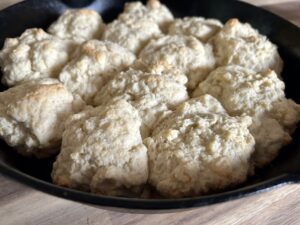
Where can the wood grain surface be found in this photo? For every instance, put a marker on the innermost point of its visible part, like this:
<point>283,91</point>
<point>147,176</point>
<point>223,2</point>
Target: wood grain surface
<point>21,205</point>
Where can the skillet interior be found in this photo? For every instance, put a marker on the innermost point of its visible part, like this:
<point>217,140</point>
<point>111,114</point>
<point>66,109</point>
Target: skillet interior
<point>285,168</point>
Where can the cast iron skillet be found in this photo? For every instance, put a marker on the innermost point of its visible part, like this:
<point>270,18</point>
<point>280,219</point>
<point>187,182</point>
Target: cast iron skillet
<point>285,169</point>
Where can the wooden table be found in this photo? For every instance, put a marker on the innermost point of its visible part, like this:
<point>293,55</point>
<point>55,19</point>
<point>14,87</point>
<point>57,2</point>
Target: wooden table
<point>21,205</point>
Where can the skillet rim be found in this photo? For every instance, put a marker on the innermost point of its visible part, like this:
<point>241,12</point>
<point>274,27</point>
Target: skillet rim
<point>146,204</point>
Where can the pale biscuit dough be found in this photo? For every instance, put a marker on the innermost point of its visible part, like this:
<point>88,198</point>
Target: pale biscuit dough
<point>78,25</point>
<point>94,63</point>
<point>153,11</point>
<point>131,34</point>
<point>199,149</point>
<point>102,151</point>
<point>199,27</point>
<point>32,116</point>
<point>33,55</point>
<point>153,95</point>
<point>261,96</point>
<point>240,44</point>
<point>183,53</point>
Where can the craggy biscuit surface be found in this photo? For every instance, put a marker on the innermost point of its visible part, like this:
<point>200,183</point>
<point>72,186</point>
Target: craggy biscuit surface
<point>199,27</point>
<point>198,149</point>
<point>240,44</point>
<point>33,55</point>
<point>78,25</point>
<point>261,96</point>
<point>182,53</point>
<point>131,34</point>
<point>94,63</point>
<point>102,151</point>
<point>153,11</point>
<point>152,95</point>
<point>32,116</point>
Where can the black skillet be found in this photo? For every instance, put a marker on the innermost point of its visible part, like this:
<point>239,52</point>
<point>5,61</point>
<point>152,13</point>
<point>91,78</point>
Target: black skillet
<point>283,170</point>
